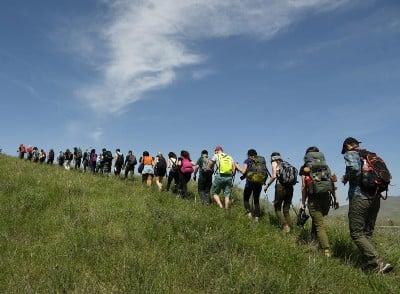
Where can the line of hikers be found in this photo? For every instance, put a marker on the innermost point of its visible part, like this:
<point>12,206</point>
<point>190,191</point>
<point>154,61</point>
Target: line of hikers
<point>366,173</point>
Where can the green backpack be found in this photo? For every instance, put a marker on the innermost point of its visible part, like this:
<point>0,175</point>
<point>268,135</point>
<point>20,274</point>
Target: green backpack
<point>257,170</point>
<point>225,164</point>
<point>320,173</point>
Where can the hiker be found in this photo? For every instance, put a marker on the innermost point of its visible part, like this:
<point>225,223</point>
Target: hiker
<point>42,156</point>
<point>160,169</point>
<point>363,209</point>
<point>29,153</point>
<point>253,164</point>
<point>223,180</point>
<point>130,163</point>
<point>173,173</point>
<point>93,161</point>
<point>50,157</point>
<point>21,151</point>
<point>283,193</point>
<point>148,168</point>
<point>119,162</point>
<point>318,189</point>
<point>185,170</point>
<point>107,158</point>
<point>61,158</point>
<point>85,159</point>
<point>68,158</point>
<point>205,177</point>
<point>77,157</point>
<point>35,154</point>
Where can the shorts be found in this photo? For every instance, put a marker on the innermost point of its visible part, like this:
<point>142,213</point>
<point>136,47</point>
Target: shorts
<point>223,183</point>
<point>148,170</point>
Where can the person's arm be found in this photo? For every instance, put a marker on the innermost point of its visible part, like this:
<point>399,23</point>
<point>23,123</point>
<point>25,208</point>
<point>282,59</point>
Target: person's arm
<point>274,166</point>
<point>242,170</point>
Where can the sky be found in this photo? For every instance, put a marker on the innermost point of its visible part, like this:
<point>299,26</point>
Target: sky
<point>170,75</point>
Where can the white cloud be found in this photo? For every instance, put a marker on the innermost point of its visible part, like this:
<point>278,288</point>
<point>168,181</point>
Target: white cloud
<point>147,41</point>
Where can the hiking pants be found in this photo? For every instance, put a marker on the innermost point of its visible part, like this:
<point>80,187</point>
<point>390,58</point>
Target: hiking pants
<point>318,206</point>
<point>362,217</point>
<point>282,202</point>
<point>184,178</point>
<point>204,187</point>
<point>255,189</point>
<point>173,175</point>
<point>128,168</point>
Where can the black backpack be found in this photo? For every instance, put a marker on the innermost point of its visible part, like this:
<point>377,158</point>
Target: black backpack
<point>375,176</point>
<point>108,156</point>
<point>120,159</point>
<point>287,174</point>
<point>161,164</point>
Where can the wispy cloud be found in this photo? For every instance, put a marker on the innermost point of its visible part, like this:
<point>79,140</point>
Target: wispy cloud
<point>146,42</point>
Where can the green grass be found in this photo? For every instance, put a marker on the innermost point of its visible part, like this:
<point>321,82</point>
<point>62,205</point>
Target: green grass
<point>66,231</point>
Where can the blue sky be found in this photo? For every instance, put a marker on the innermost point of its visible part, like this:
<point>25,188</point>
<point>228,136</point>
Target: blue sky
<point>169,75</point>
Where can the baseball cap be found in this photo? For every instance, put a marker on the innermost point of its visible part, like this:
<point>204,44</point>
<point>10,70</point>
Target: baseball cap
<point>218,148</point>
<point>349,141</point>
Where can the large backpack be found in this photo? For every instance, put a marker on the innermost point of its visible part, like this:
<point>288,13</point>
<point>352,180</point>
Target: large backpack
<point>79,153</point>
<point>120,159</point>
<point>186,166</point>
<point>108,156</point>
<point>287,174</point>
<point>257,170</point>
<point>225,164</point>
<point>375,176</point>
<point>204,166</point>
<point>131,160</point>
<point>320,174</point>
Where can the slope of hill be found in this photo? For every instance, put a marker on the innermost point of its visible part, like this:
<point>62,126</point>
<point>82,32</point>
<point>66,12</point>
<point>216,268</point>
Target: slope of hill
<point>66,231</point>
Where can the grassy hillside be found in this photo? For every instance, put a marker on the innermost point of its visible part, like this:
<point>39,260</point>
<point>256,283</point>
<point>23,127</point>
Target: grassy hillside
<point>66,231</point>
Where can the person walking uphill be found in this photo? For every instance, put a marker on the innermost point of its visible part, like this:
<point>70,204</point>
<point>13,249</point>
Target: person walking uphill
<point>283,192</point>
<point>255,171</point>
<point>363,209</point>
<point>148,168</point>
<point>318,188</point>
<point>205,177</point>
<point>185,165</point>
<point>223,176</point>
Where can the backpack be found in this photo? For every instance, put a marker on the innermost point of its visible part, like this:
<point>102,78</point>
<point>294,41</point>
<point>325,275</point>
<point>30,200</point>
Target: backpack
<point>320,174</point>
<point>131,159</point>
<point>108,156</point>
<point>375,176</point>
<point>187,166</point>
<point>120,159</point>
<point>225,164</point>
<point>204,165</point>
<point>174,167</point>
<point>287,174</point>
<point>79,153</point>
<point>161,164</point>
<point>51,154</point>
<point>257,170</point>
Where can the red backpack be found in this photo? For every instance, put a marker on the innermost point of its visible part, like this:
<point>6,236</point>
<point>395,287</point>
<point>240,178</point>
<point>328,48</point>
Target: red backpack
<point>375,176</point>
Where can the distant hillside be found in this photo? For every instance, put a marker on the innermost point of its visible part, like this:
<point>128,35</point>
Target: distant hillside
<point>388,214</point>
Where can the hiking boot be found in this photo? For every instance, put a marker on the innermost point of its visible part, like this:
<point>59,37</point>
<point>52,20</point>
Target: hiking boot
<point>249,215</point>
<point>382,267</point>
<point>256,219</point>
